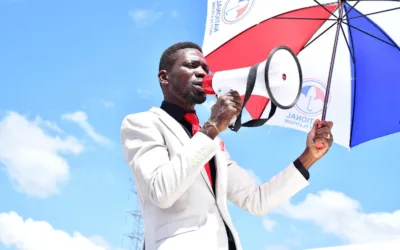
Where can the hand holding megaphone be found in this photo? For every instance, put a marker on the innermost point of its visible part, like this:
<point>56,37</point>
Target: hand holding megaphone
<point>227,107</point>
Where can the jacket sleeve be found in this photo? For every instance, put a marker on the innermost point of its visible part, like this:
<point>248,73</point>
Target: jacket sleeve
<point>162,179</point>
<point>261,199</point>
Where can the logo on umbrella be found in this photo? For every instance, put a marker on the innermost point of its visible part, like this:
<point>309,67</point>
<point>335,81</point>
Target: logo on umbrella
<point>312,97</point>
<point>235,10</point>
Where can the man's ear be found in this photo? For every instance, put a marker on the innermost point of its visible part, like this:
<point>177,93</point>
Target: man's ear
<point>163,77</point>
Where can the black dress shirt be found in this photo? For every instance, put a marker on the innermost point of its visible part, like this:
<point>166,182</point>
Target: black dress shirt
<point>178,114</point>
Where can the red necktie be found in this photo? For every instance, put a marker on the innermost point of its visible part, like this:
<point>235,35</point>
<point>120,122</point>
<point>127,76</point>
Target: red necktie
<point>192,119</point>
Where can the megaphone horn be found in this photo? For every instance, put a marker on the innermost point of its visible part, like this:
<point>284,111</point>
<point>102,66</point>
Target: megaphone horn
<point>279,79</point>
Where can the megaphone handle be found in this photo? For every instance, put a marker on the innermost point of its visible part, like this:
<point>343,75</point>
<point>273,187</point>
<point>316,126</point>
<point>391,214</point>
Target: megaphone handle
<point>251,80</point>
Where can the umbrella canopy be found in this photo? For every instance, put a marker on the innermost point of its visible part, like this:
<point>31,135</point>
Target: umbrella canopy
<point>349,53</point>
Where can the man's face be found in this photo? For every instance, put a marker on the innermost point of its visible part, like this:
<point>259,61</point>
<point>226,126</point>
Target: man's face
<point>186,75</point>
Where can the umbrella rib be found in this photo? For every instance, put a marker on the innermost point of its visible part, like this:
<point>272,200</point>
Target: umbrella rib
<point>374,13</point>
<point>305,46</point>
<point>348,44</point>
<point>369,34</point>
<point>307,18</point>
<point>351,8</point>
<point>325,8</point>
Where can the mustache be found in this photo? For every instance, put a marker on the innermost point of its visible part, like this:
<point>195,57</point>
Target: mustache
<point>198,81</point>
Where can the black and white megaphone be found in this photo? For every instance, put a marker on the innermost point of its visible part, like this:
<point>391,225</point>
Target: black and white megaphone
<point>278,79</point>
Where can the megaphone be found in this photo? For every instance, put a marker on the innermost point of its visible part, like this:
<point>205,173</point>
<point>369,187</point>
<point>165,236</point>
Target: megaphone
<point>279,79</point>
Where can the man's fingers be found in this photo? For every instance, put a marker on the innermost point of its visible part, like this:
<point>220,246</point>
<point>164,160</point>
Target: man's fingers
<point>323,124</point>
<point>235,100</point>
<point>236,103</point>
<point>325,135</point>
<point>238,106</point>
<point>233,109</point>
<point>322,134</point>
<point>315,126</point>
<point>324,139</point>
<point>323,130</point>
<point>234,93</point>
<point>230,95</point>
<point>321,143</point>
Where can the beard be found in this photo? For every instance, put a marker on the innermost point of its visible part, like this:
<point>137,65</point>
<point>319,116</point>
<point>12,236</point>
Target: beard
<point>190,96</point>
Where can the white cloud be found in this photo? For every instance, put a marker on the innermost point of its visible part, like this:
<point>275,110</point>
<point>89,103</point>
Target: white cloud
<point>27,234</point>
<point>269,225</point>
<point>145,17</point>
<point>100,241</point>
<point>32,158</point>
<point>339,215</point>
<point>48,124</point>
<point>81,119</point>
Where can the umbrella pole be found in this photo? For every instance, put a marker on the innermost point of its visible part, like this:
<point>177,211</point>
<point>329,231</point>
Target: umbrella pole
<point>328,85</point>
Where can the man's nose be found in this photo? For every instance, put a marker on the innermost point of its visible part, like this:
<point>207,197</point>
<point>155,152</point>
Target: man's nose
<point>200,72</point>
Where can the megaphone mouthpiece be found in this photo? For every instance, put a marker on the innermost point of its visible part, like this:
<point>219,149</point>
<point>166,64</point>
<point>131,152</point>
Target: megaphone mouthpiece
<point>207,84</point>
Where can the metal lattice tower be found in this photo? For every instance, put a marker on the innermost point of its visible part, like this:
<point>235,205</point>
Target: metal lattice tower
<point>136,235</point>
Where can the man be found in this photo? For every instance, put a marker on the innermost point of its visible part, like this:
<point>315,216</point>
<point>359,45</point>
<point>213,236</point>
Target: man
<point>183,174</point>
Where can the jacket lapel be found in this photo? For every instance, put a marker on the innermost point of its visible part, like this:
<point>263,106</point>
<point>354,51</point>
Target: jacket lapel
<point>181,134</point>
<point>173,125</point>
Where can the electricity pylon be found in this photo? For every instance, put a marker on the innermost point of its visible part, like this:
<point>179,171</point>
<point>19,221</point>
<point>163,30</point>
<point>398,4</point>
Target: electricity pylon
<point>136,236</point>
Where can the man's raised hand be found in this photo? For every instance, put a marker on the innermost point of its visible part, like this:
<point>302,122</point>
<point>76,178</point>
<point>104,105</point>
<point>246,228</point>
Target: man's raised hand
<point>225,109</point>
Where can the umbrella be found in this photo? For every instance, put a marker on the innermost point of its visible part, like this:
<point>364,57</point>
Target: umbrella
<point>348,50</point>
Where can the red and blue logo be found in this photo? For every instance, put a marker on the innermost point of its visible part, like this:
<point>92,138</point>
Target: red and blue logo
<point>311,101</point>
<point>236,10</point>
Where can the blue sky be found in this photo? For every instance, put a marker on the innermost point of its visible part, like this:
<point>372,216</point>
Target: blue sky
<point>71,70</point>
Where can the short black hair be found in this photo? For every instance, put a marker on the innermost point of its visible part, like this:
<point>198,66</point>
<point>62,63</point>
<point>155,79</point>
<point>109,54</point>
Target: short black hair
<point>169,55</point>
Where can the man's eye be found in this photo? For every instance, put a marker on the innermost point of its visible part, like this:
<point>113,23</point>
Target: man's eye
<point>194,65</point>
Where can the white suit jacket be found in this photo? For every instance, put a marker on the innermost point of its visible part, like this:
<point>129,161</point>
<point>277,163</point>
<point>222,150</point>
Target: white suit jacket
<point>180,211</point>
